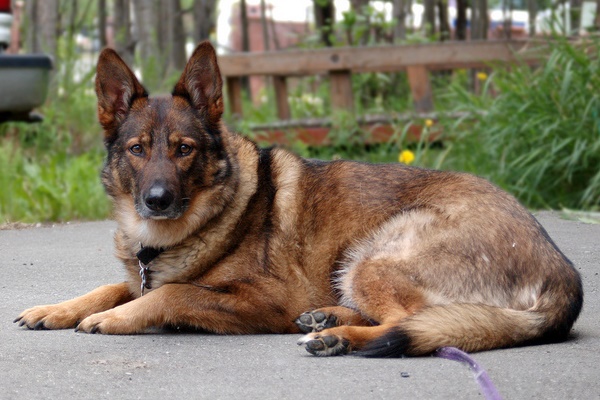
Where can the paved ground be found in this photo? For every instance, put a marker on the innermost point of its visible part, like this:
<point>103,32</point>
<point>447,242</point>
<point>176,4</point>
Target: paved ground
<point>51,264</point>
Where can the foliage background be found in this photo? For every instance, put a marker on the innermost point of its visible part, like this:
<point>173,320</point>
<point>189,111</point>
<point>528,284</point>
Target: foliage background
<point>533,131</point>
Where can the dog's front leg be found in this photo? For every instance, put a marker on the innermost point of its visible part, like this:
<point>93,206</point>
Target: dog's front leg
<point>192,306</point>
<point>69,313</point>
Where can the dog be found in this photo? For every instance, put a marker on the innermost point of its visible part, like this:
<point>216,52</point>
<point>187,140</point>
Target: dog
<point>220,235</point>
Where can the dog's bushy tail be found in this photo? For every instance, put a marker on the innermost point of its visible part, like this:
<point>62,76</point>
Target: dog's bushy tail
<point>473,327</point>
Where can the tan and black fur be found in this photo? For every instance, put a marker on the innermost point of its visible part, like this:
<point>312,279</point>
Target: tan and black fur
<point>386,260</point>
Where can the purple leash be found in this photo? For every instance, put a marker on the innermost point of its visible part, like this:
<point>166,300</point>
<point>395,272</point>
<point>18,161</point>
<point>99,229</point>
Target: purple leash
<point>488,389</point>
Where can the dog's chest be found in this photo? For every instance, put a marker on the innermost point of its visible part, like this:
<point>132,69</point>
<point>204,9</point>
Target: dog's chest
<point>173,266</point>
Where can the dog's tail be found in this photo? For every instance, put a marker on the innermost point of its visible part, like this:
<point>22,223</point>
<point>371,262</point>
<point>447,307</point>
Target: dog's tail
<point>476,327</point>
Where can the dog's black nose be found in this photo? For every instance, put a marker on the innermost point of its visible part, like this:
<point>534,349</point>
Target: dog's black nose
<point>158,198</point>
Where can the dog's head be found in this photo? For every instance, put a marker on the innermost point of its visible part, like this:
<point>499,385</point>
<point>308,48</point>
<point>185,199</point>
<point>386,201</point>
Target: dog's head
<point>164,153</point>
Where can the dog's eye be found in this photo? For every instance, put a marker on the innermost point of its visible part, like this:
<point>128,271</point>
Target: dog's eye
<point>184,149</point>
<point>136,149</point>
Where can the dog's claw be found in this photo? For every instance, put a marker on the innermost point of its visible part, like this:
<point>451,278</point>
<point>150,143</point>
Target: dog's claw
<point>39,326</point>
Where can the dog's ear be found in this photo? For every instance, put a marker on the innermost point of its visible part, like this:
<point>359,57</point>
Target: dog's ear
<point>201,83</point>
<point>116,88</point>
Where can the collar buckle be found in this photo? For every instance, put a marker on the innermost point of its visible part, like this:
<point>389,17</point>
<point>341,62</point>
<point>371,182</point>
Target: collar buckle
<point>145,256</point>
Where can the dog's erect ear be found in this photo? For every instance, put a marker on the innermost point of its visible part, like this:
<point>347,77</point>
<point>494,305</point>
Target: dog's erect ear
<point>116,88</point>
<point>201,83</point>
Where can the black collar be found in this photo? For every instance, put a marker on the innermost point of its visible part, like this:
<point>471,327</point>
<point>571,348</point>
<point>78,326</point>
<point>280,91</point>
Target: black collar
<point>147,254</point>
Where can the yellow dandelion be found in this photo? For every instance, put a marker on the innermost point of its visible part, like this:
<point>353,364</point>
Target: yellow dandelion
<point>406,157</point>
<point>428,123</point>
<point>482,76</point>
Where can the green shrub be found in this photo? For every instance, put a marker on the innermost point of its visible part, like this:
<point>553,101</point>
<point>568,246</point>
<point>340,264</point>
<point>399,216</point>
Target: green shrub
<point>56,187</point>
<point>539,135</point>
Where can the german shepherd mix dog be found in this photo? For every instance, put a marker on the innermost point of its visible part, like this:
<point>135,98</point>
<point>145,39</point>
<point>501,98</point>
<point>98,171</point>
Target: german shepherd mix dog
<point>382,260</point>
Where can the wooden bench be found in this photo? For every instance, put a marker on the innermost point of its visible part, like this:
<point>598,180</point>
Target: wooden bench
<point>340,63</point>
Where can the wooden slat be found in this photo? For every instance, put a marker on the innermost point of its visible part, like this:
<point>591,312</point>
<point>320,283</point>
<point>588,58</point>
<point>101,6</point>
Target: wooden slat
<point>281,97</point>
<point>420,87</point>
<point>234,95</point>
<point>341,90</point>
<point>377,58</point>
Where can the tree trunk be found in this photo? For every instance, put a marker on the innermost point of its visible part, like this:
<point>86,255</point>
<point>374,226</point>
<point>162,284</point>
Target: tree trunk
<point>264,26</point>
<point>245,43</point>
<point>48,20</point>
<point>576,6</point>
<point>461,19</point>
<point>507,18</point>
<point>42,21</point>
<point>145,31</point>
<point>399,16</point>
<point>163,34</point>
<point>171,38</point>
<point>479,24</point>
<point>442,6</point>
<point>15,29</point>
<point>429,19</point>
<point>147,28</point>
<point>102,23</point>
<point>30,27</point>
<point>596,17</point>
<point>179,37</point>
<point>274,32</point>
<point>204,19</point>
<point>410,17</point>
<point>124,43</point>
<point>244,23</point>
<point>532,8</point>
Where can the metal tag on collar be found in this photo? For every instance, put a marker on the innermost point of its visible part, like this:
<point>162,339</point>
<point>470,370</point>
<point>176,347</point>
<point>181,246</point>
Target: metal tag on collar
<point>144,272</point>
<point>145,257</point>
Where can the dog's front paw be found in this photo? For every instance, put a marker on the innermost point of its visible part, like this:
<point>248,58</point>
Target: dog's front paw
<point>324,345</point>
<point>110,322</point>
<point>56,316</point>
<point>315,321</point>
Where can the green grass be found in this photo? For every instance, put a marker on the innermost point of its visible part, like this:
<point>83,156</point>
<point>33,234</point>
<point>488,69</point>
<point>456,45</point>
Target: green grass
<point>56,187</point>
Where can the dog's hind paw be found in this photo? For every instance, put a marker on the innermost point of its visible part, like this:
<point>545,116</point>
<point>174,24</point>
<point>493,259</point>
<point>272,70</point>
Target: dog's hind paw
<point>328,345</point>
<point>315,321</point>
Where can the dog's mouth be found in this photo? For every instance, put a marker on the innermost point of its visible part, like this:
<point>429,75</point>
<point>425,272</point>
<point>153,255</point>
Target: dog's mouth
<point>158,217</point>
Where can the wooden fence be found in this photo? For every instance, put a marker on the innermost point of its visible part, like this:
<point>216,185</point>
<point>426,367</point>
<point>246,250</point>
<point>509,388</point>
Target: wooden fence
<point>340,63</point>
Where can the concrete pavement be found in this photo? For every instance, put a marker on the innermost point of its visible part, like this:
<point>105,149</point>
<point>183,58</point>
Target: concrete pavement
<point>51,264</point>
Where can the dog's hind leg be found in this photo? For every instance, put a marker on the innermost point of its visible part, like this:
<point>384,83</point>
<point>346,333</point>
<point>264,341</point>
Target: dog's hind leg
<point>342,339</point>
<point>384,294</point>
